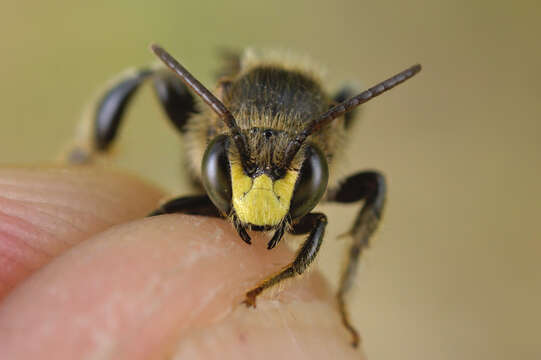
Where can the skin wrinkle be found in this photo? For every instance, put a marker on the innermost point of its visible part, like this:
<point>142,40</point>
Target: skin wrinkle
<point>44,212</point>
<point>7,269</point>
<point>70,217</point>
<point>18,251</point>
<point>196,312</point>
<point>49,183</point>
<point>86,194</point>
<point>14,268</point>
<point>55,226</point>
<point>290,333</point>
<point>54,218</point>
<point>126,191</point>
<point>65,197</point>
<point>270,323</point>
<point>182,341</point>
<point>6,221</point>
<point>28,193</point>
<point>94,187</point>
<point>114,194</point>
<point>42,174</point>
<point>13,260</point>
<point>17,231</point>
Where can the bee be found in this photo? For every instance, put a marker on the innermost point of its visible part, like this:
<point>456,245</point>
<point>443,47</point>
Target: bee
<point>260,153</point>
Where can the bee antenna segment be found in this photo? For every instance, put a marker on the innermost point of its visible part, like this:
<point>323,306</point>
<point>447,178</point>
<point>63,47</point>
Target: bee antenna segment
<point>346,106</point>
<point>215,104</point>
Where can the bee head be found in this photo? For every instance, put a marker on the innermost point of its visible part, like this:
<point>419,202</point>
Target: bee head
<point>264,191</point>
<point>260,189</point>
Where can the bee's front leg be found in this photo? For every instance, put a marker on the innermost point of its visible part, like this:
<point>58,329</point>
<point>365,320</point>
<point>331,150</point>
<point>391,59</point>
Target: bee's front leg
<point>368,186</point>
<point>314,223</point>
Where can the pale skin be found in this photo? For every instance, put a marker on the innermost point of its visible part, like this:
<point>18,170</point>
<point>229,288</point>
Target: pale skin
<point>83,275</point>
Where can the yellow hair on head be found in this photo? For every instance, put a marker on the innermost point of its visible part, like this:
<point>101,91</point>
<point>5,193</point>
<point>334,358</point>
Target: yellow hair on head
<point>260,201</point>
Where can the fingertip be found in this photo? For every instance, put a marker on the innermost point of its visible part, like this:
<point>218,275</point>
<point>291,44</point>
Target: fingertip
<point>175,283</point>
<point>46,210</point>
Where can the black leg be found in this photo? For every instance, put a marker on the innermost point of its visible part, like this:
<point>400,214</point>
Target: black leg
<point>100,130</point>
<point>241,230</point>
<point>177,101</point>
<point>304,258</point>
<point>278,234</point>
<point>344,94</point>
<point>370,187</point>
<point>192,205</point>
<point>112,105</point>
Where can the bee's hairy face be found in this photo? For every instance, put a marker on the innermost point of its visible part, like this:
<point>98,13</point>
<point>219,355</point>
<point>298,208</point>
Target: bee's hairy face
<point>261,198</point>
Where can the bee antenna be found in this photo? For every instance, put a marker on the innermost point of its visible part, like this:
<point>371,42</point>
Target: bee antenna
<point>215,104</point>
<point>346,106</point>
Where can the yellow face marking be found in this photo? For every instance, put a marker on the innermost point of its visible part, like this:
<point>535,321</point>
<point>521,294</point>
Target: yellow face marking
<point>260,201</point>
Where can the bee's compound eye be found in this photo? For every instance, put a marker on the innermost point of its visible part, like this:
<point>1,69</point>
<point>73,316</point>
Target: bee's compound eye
<point>311,184</point>
<point>216,173</point>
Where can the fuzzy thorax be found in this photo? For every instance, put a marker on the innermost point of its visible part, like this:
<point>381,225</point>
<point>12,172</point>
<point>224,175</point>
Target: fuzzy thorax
<point>261,201</point>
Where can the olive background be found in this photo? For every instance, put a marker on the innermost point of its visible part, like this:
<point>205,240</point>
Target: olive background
<point>454,271</point>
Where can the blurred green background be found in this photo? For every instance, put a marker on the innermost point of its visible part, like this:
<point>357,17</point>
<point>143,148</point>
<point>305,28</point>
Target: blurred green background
<point>454,271</point>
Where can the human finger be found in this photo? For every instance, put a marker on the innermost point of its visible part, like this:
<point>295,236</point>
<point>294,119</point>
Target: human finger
<point>170,287</point>
<point>46,210</point>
